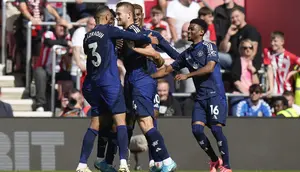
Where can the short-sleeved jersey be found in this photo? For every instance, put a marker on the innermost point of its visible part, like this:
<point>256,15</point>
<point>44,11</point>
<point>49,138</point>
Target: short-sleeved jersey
<point>196,57</point>
<point>246,108</point>
<point>99,46</point>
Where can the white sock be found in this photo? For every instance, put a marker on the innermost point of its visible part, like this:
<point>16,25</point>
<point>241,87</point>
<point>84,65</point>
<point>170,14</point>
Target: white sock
<point>123,163</point>
<point>82,165</point>
<point>168,161</point>
<point>151,163</point>
<point>159,164</point>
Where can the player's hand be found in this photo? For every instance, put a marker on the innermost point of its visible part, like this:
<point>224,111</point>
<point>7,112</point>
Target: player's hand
<point>154,40</point>
<point>181,77</point>
<point>119,44</point>
<point>233,29</point>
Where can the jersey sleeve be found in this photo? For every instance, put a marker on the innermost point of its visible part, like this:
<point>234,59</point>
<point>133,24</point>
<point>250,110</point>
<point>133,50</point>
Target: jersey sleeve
<point>211,50</point>
<point>117,33</point>
<point>241,109</point>
<point>165,46</point>
<point>179,63</point>
<point>266,110</point>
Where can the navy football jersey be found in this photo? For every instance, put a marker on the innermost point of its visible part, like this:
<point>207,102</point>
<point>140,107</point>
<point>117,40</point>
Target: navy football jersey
<point>99,46</point>
<point>196,57</point>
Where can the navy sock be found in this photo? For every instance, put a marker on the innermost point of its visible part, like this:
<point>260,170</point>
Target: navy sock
<point>87,144</point>
<point>102,142</point>
<point>222,144</point>
<point>122,138</point>
<point>157,145</point>
<point>198,131</point>
<point>111,151</point>
<point>130,133</point>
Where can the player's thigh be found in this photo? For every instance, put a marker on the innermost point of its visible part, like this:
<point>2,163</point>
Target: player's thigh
<point>217,110</point>
<point>199,113</point>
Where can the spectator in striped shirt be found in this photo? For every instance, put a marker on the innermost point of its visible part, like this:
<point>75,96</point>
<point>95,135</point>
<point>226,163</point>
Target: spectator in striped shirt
<point>279,62</point>
<point>254,106</point>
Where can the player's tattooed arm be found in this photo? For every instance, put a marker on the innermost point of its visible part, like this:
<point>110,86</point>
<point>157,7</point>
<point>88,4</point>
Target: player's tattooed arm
<point>207,69</point>
<point>163,72</point>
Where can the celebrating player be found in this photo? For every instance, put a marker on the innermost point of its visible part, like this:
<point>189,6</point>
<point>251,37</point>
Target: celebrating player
<point>140,89</point>
<point>102,86</point>
<point>210,105</point>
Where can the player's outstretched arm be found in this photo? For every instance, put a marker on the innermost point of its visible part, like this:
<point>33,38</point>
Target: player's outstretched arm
<point>150,53</point>
<point>207,69</point>
<point>117,33</point>
<point>163,72</point>
<point>165,45</point>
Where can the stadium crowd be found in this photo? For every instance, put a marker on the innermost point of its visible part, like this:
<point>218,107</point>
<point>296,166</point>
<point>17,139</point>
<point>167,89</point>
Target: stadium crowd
<point>260,81</point>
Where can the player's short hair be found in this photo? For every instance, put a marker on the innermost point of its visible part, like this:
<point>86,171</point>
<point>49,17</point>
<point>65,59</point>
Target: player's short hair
<point>127,5</point>
<point>112,12</point>
<point>288,93</point>
<point>277,34</point>
<point>205,11</point>
<point>159,29</point>
<point>201,23</point>
<point>255,87</point>
<point>156,8</point>
<point>283,100</point>
<point>159,81</point>
<point>138,7</point>
<point>101,9</point>
<point>237,8</point>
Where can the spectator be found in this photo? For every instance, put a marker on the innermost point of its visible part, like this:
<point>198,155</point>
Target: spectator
<point>279,62</point>
<point>5,108</point>
<point>75,106</point>
<point>149,4</point>
<point>222,18</point>
<point>289,95</point>
<point>156,20</point>
<point>248,72</point>
<point>169,106</point>
<point>179,12</point>
<point>254,106</point>
<point>79,57</point>
<point>238,31</point>
<point>43,66</point>
<point>282,109</point>
<point>186,86</point>
<point>206,14</point>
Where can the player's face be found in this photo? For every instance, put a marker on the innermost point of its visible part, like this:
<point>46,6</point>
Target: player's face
<point>278,106</point>
<point>237,18</point>
<point>122,15</point>
<point>163,91</point>
<point>111,20</point>
<point>194,32</point>
<point>277,43</point>
<point>139,17</point>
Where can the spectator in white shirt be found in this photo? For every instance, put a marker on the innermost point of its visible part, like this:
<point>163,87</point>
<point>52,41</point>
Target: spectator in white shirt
<point>78,52</point>
<point>179,12</point>
<point>289,95</point>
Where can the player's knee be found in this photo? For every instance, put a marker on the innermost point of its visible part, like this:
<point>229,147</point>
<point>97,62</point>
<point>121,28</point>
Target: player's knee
<point>197,129</point>
<point>95,125</point>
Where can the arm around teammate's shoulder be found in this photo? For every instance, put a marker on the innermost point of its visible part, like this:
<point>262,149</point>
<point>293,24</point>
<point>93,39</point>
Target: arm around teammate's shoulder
<point>163,72</point>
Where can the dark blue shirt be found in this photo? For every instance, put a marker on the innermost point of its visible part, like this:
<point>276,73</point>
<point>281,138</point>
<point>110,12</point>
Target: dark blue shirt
<point>196,57</point>
<point>99,46</point>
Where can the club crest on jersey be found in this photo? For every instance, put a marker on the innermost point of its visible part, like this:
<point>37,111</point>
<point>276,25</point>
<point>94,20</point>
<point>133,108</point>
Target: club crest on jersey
<point>195,65</point>
<point>200,53</point>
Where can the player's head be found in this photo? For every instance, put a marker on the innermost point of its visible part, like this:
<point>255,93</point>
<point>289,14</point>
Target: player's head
<point>125,14</point>
<point>289,95</point>
<point>156,15</point>
<point>113,16</point>
<point>138,15</point>
<point>197,29</point>
<point>206,14</point>
<point>280,103</point>
<point>255,91</point>
<point>102,15</point>
<point>277,40</point>
<point>163,89</point>
<point>238,17</point>
<point>91,23</point>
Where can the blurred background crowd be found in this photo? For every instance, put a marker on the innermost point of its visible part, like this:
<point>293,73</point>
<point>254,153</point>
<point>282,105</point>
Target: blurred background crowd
<point>260,80</point>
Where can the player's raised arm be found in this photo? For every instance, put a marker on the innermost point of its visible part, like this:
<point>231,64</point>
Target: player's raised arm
<point>117,33</point>
<point>165,46</point>
<point>163,72</point>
